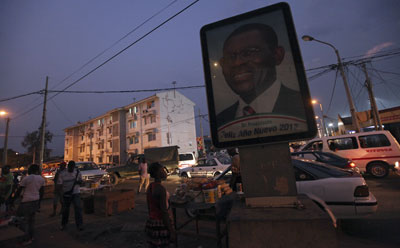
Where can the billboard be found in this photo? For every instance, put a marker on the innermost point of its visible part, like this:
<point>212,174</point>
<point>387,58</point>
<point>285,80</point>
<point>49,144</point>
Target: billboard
<point>256,86</point>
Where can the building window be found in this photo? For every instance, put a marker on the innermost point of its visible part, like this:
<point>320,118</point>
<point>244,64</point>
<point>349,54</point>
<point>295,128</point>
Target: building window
<point>99,122</point>
<point>135,109</point>
<point>130,140</point>
<point>109,130</point>
<point>145,120</point>
<point>110,142</point>
<point>132,124</point>
<point>153,119</point>
<point>130,110</point>
<point>150,104</point>
<point>82,137</point>
<point>151,136</point>
<point>136,139</point>
<point>66,141</point>
<point>91,124</point>
<point>100,159</point>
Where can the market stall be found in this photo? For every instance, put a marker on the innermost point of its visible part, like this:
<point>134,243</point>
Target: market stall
<point>203,200</point>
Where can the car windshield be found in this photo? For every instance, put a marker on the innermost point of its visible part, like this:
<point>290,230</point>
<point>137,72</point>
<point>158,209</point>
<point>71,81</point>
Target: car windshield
<point>186,156</point>
<point>86,166</point>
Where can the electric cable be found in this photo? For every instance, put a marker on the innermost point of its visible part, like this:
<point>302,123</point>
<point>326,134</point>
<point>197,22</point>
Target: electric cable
<point>117,54</point>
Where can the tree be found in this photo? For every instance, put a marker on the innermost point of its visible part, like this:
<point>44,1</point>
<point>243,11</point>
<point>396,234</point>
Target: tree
<point>32,143</point>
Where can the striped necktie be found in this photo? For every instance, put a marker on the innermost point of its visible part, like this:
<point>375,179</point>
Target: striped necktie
<point>248,111</point>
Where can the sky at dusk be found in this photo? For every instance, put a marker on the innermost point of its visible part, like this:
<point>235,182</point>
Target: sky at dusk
<point>55,38</point>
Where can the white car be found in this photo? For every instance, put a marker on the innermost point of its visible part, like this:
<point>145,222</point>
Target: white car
<point>91,173</point>
<point>205,168</point>
<point>186,160</point>
<point>345,192</point>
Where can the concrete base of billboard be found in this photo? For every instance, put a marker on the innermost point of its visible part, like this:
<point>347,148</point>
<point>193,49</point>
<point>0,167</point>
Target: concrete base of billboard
<point>305,226</point>
<point>267,175</point>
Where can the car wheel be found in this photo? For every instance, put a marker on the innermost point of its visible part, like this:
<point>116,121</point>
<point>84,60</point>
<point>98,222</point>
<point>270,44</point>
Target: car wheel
<point>184,175</point>
<point>216,173</point>
<point>378,170</point>
<point>114,179</point>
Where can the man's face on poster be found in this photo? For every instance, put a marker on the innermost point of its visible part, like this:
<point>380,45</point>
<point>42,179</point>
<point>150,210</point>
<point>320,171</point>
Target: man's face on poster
<point>248,63</point>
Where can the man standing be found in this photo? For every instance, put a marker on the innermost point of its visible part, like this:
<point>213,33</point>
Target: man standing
<point>58,193</point>
<point>70,180</point>
<point>32,187</point>
<point>144,176</point>
<point>235,167</point>
<point>6,183</point>
<point>250,56</point>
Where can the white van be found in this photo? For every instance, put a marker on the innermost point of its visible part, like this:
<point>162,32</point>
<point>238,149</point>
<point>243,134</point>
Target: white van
<point>373,152</point>
<point>186,160</point>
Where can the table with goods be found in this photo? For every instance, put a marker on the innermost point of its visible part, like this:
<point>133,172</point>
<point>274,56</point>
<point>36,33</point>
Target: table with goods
<point>203,200</point>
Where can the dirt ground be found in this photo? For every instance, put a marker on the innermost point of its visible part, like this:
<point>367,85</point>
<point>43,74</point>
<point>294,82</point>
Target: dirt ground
<point>122,230</point>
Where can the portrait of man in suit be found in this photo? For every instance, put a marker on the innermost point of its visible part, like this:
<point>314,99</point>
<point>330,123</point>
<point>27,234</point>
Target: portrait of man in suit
<point>250,56</point>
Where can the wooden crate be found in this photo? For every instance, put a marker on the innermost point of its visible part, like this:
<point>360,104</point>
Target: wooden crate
<point>48,191</point>
<point>113,202</point>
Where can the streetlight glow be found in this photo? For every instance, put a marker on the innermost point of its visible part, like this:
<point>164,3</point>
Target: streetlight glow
<point>330,124</point>
<point>314,101</point>
<point>2,112</point>
<point>307,38</point>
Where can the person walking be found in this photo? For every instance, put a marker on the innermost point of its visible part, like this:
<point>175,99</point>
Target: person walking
<point>58,196</point>
<point>159,227</point>
<point>33,189</point>
<point>69,180</point>
<point>144,176</point>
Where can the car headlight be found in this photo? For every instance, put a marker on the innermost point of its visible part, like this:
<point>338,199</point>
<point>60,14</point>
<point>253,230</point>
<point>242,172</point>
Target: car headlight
<point>396,165</point>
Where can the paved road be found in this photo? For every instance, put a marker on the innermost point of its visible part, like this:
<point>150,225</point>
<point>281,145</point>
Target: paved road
<point>126,229</point>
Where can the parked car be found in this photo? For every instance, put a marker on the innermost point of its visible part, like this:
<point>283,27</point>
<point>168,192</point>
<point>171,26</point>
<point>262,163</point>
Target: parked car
<point>345,192</point>
<point>329,158</point>
<point>374,152</point>
<point>91,173</point>
<point>186,160</point>
<point>205,168</point>
<point>48,173</point>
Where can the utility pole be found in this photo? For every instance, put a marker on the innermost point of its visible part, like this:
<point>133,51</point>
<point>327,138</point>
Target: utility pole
<point>346,85</point>
<point>6,142</point>
<point>202,135</point>
<point>43,127</point>
<point>374,107</point>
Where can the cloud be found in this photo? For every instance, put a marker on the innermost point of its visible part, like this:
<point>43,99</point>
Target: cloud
<point>377,48</point>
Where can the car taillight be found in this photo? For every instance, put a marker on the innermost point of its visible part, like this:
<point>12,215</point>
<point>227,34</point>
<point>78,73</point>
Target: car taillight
<point>352,165</point>
<point>361,191</point>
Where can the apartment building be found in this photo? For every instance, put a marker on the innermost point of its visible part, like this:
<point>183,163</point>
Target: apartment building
<point>163,119</point>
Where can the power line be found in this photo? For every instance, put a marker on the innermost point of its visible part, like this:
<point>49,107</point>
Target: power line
<point>126,91</point>
<point>116,42</point>
<point>16,97</point>
<point>118,53</point>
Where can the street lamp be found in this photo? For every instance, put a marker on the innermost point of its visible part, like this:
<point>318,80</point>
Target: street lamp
<point>322,115</point>
<point>4,113</point>
<point>346,86</point>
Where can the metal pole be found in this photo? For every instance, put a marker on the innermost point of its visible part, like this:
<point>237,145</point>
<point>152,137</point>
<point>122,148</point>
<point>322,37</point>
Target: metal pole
<point>346,86</point>
<point>43,127</point>
<point>374,107</point>
<point>5,148</point>
<point>323,120</point>
<point>202,134</point>
<point>349,98</point>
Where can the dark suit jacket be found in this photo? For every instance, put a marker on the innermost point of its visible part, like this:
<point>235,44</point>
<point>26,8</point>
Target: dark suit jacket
<point>289,102</point>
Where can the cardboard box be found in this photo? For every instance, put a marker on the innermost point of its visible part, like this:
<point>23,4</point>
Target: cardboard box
<point>113,202</point>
